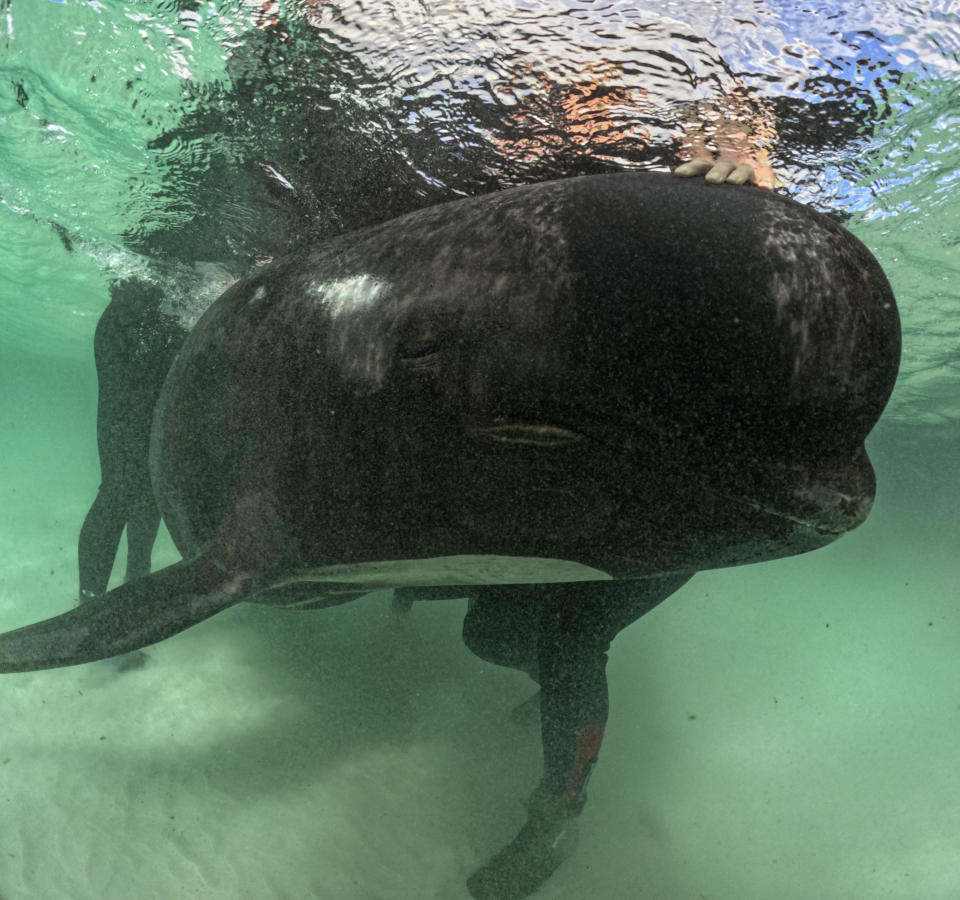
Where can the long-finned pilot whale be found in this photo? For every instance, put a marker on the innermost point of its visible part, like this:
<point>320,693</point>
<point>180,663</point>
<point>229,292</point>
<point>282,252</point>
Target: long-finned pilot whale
<point>616,377</point>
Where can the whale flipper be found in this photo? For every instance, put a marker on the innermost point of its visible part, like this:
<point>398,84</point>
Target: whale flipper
<point>127,618</point>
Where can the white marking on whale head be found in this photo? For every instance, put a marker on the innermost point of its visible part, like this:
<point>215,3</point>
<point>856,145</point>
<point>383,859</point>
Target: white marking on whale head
<point>350,294</point>
<point>808,259</point>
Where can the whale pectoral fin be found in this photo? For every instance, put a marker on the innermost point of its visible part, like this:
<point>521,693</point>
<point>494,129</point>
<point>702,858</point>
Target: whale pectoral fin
<point>127,618</point>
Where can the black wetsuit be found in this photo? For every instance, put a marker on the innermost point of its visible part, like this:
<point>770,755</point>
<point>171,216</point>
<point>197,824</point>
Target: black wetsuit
<point>134,345</point>
<point>559,634</point>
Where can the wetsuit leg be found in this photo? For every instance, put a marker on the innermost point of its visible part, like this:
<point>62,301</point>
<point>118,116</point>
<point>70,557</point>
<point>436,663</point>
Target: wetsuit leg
<point>99,539</point>
<point>134,347</point>
<point>577,625</point>
<point>573,626</point>
<point>143,523</point>
<point>502,623</point>
<point>125,498</point>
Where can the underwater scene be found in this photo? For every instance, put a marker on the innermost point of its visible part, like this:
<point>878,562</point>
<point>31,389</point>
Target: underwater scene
<point>784,728</point>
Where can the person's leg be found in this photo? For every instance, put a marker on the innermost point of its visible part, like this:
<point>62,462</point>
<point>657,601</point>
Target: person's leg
<point>134,346</point>
<point>575,626</point>
<point>572,650</point>
<point>99,539</point>
<point>143,523</point>
<point>105,521</point>
<point>123,500</point>
<point>501,625</point>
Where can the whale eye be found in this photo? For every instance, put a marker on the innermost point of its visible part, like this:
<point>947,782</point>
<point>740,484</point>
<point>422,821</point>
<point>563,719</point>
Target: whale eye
<point>421,354</point>
<point>420,350</point>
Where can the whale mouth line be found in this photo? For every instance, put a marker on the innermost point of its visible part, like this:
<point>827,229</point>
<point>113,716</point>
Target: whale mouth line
<point>836,514</point>
<point>528,434</point>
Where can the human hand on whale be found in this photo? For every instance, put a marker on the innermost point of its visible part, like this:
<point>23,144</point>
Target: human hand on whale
<point>736,163</point>
<point>736,152</point>
<point>722,170</point>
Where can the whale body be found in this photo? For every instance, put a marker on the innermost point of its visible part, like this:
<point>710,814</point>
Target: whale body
<point>606,377</point>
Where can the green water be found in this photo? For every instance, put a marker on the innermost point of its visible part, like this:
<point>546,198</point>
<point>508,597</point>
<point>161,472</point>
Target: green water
<point>788,730</point>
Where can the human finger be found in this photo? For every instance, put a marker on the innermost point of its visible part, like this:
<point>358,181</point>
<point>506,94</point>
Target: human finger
<point>742,174</point>
<point>721,169</point>
<point>699,166</point>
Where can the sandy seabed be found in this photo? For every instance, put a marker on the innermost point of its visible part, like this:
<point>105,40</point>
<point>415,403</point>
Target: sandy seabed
<point>789,730</point>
